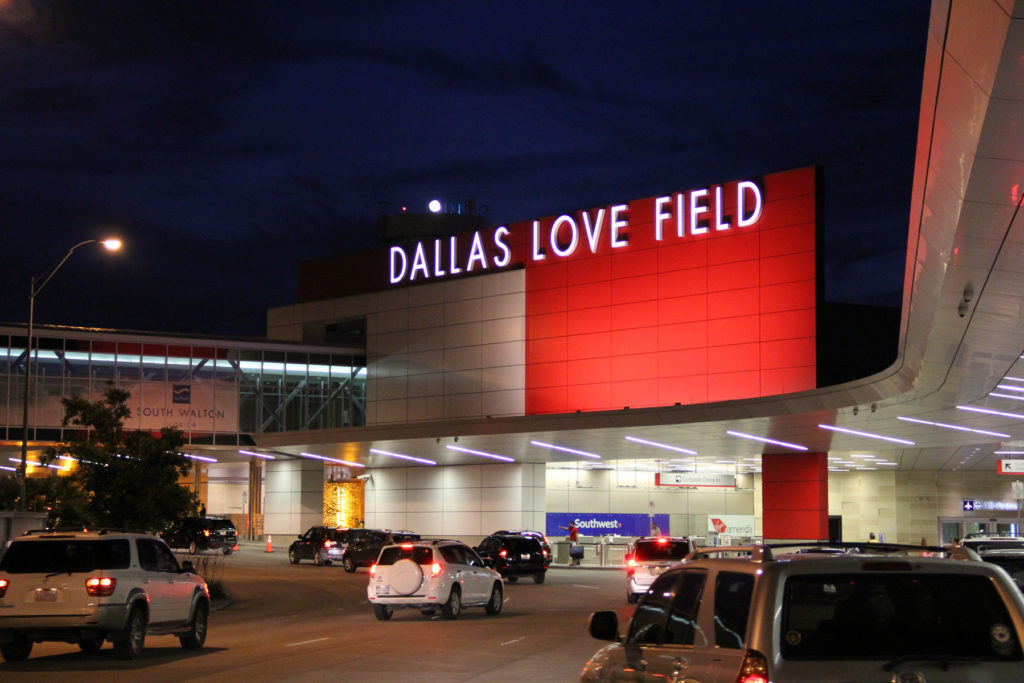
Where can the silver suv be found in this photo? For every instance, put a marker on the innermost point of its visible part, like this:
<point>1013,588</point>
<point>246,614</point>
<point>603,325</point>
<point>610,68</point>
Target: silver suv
<point>87,587</point>
<point>649,557</point>
<point>772,613</point>
<point>431,575</point>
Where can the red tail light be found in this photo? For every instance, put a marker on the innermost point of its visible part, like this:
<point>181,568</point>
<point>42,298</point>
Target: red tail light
<point>3,587</point>
<point>406,546</point>
<point>631,562</point>
<point>662,541</point>
<point>543,552</point>
<point>328,544</point>
<point>373,569</point>
<point>206,532</point>
<point>100,587</point>
<point>754,668</point>
<point>435,570</point>
<point>503,553</point>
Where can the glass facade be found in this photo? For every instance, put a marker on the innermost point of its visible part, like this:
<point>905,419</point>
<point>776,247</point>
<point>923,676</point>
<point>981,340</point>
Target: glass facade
<point>215,391</point>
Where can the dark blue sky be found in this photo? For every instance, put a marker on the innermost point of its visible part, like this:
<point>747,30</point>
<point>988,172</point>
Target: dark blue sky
<point>228,141</point>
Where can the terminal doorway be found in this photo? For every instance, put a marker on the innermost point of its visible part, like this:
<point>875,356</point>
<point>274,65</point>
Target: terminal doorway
<point>961,527</point>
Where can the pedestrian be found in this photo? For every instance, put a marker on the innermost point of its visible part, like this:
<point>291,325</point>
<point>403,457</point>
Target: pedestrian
<point>574,533</point>
<point>655,531</point>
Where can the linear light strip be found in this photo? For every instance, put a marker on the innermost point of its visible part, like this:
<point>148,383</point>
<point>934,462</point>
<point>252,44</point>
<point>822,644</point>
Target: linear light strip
<point>949,426</point>
<point>541,444</point>
<point>1010,387</point>
<point>766,440</point>
<point>986,411</point>
<point>1009,396</point>
<point>480,453</point>
<point>667,447</point>
<point>199,457</point>
<point>867,435</point>
<point>257,455</point>
<point>403,457</point>
<point>322,457</point>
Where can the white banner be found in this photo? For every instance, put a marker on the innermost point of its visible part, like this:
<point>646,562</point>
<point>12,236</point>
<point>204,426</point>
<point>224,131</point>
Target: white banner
<point>734,525</point>
<point>716,479</point>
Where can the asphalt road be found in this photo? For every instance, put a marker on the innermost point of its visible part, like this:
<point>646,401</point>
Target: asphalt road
<point>306,623</point>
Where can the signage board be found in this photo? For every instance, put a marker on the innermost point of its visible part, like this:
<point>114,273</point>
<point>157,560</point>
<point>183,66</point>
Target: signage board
<point>1011,467</point>
<point>695,479</point>
<point>605,524</point>
<point>733,525</point>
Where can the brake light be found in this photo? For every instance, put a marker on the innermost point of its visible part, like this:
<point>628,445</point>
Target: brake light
<point>503,553</point>
<point>100,586</point>
<point>754,668</point>
<point>406,546</point>
<point>373,569</point>
<point>435,570</point>
<point>631,562</point>
<point>328,544</point>
<point>3,587</point>
<point>662,541</point>
<point>206,532</point>
<point>543,552</point>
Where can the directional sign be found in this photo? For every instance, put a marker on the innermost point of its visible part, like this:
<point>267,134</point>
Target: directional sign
<point>1011,467</point>
<point>968,505</point>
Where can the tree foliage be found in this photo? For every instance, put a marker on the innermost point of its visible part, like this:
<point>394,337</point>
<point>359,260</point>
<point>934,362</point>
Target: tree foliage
<point>128,479</point>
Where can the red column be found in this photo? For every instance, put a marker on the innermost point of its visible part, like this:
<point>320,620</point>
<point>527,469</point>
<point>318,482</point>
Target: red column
<point>794,496</point>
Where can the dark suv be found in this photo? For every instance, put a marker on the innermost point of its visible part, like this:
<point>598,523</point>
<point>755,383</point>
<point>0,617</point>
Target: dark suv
<point>202,533</point>
<point>513,555</point>
<point>364,546</point>
<point>322,544</point>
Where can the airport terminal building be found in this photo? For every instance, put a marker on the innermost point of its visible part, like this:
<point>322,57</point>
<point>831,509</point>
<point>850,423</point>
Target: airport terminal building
<point>668,358</point>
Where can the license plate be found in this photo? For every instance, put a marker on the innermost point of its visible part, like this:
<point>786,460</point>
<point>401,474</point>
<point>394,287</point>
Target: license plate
<point>383,590</point>
<point>525,556</point>
<point>46,595</point>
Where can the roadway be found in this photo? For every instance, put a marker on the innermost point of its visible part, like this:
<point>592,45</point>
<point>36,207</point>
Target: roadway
<point>304,623</point>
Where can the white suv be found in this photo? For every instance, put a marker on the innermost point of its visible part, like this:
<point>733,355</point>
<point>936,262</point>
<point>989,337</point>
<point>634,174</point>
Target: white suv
<point>876,612</point>
<point>432,574</point>
<point>648,557</point>
<point>87,587</point>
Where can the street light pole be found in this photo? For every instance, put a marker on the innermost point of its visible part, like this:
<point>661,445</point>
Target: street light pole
<point>110,245</point>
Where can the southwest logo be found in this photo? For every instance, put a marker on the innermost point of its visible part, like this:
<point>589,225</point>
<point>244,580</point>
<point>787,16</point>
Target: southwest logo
<point>181,393</point>
<point>718,524</point>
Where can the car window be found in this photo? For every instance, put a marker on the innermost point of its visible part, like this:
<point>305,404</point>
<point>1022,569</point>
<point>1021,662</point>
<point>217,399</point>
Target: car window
<point>418,554</point>
<point>983,546</point>
<point>154,556</point>
<point>661,551</point>
<point>733,591</point>
<point>453,554</point>
<point>884,614</point>
<point>682,626</point>
<point>649,619</point>
<point>522,544</point>
<point>1013,564</point>
<point>472,559</point>
<point>66,555</point>
<point>489,545</point>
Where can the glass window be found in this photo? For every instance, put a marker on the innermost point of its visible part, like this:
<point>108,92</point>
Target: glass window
<point>682,620</point>
<point>732,608</point>
<point>662,550</point>
<point>418,554</point>
<point>64,555</point>
<point>649,619</point>
<point>889,614</point>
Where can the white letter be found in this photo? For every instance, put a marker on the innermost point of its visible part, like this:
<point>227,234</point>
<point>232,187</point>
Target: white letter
<point>397,251</point>
<point>499,242</point>
<point>437,259</point>
<point>453,256</point>
<point>476,253</point>
<point>756,213</point>
<point>681,214</point>
<point>695,211</point>
<point>593,234</point>
<point>419,262</point>
<point>538,255</point>
<point>660,216</point>
<point>618,224</point>
<point>554,236</point>
<point>719,225</point>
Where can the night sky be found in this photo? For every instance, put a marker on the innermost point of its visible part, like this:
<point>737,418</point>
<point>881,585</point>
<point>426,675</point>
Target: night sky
<point>225,142</point>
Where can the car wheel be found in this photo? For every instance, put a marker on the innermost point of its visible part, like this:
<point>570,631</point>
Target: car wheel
<point>91,645</point>
<point>348,563</point>
<point>406,577</point>
<point>131,641</point>
<point>511,579</point>
<point>293,557</point>
<point>317,560</point>
<point>382,612</point>
<point>17,650</point>
<point>452,607</point>
<point>538,577</point>
<point>631,597</point>
<point>496,602</point>
<point>192,548</point>
<point>196,635</point>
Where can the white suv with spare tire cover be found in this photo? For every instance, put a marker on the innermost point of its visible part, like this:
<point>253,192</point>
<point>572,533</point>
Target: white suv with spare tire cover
<point>432,575</point>
<point>87,587</point>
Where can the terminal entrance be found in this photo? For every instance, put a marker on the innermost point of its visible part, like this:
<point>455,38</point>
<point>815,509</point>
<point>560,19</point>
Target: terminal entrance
<point>961,527</point>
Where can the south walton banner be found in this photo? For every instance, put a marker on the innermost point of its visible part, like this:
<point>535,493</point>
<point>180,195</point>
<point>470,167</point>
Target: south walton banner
<point>600,524</point>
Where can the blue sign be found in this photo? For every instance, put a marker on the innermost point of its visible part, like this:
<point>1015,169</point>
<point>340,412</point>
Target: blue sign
<point>604,524</point>
<point>968,505</point>
<point>181,393</point>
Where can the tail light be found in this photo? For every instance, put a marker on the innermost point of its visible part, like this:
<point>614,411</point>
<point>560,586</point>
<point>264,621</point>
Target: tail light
<point>754,668</point>
<point>435,570</point>
<point>206,532</point>
<point>662,541</point>
<point>406,546</point>
<point>503,553</point>
<point>373,570</point>
<point>100,586</point>
<point>3,587</point>
<point>328,544</point>
<point>543,552</point>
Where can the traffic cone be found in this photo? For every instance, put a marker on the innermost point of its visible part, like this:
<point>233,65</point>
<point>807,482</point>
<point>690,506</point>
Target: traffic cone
<point>270,547</point>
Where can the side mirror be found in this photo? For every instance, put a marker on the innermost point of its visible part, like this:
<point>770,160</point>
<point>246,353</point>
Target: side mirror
<point>604,625</point>
<point>187,567</point>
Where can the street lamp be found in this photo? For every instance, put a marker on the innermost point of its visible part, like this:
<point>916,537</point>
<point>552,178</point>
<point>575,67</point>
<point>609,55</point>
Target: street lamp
<point>111,244</point>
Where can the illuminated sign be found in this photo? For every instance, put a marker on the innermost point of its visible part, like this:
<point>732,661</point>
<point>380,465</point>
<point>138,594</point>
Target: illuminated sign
<point>695,479</point>
<point>1011,467</point>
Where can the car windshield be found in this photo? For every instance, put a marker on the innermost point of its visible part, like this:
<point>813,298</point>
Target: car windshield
<point>220,524</point>
<point>661,551</point>
<point>65,556</point>
<point>887,615</point>
<point>522,544</point>
<point>418,554</point>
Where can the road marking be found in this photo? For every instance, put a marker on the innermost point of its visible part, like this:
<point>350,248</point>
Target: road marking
<point>509,642</point>
<point>580,585</point>
<point>306,642</point>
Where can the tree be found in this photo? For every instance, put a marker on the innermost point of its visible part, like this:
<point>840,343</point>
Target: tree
<point>130,479</point>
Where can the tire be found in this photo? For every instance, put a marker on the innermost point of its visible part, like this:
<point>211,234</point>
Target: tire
<point>196,636</point>
<point>452,607</point>
<point>91,645</point>
<point>132,640</point>
<point>349,564</point>
<point>317,560</point>
<point>496,601</point>
<point>293,557</point>
<point>631,597</point>
<point>512,579</point>
<point>406,577</point>
<point>17,650</point>
<point>382,612</point>
<point>192,548</point>
<point>538,577</point>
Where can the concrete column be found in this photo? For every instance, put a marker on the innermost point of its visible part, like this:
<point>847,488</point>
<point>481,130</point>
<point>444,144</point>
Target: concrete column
<point>795,497</point>
<point>294,497</point>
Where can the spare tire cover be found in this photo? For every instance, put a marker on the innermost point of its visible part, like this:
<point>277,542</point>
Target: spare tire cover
<point>406,577</point>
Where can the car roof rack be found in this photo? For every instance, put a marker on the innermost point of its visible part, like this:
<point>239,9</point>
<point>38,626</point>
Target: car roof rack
<point>84,529</point>
<point>767,552</point>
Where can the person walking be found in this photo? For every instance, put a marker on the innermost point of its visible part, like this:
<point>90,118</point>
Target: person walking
<point>574,533</point>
